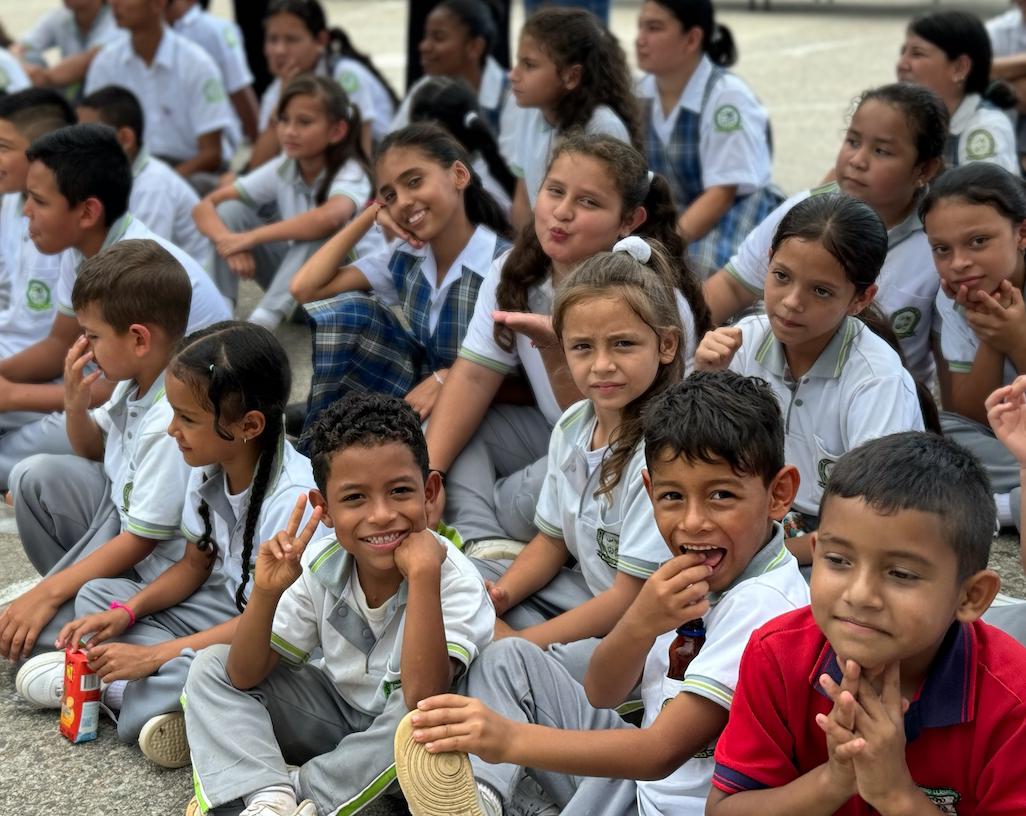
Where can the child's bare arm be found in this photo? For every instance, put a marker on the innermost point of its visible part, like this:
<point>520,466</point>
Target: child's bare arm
<point>84,434</point>
<point>1006,413</point>
<point>537,564</point>
<point>205,214</point>
<point>207,157</point>
<point>312,225</point>
<point>705,212</point>
<point>323,275</point>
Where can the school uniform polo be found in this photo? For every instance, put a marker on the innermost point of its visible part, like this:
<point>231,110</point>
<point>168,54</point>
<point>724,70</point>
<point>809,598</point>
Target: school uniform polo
<point>770,585</point>
<point>146,470</point>
<point>965,731</point>
<point>12,76</point>
<point>291,477</point>
<point>222,40</point>
<point>981,132</point>
<point>536,139</point>
<point>1007,33</point>
<point>207,304</point>
<point>181,92</point>
<point>57,29</point>
<point>856,391</point>
<point>318,611</point>
<point>31,277</point>
<point>605,535</point>
<point>368,94</point>
<point>959,343</point>
<point>164,201</point>
<point>280,182</point>
<point>907,284</point>
<point>344,73</point>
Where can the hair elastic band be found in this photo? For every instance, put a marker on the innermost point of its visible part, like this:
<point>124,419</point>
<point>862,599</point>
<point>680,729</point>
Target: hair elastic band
<point>131,614</point>
<point>638,248</point>
<point>651,175</point>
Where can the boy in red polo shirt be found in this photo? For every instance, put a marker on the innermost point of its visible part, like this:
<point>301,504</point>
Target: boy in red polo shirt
<point>888,695</point>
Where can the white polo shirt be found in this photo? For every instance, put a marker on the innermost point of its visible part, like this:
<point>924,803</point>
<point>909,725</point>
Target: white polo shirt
<point>163,201</point>
<point>318,611</point>
<point>146,470</point>
<point>536,139</point>
<point>769,586</point>
<point>1007,33</point>
<point>291,477</point>
<point>733,148</point>
<point>959,343</point>
<point>606,535</point>
<point>222,40</point>
<point>31,279</point>
<point>181,92</point>
<point>367,93</point>
<point>476,257</point>
<point>856,391</point>
<point>12,76</point>
<point>207,304</point>
<point>490,94</point>
<point>279,181</point>
<point>907,284</point>
<point>984,134</point>
<point>57,29</point>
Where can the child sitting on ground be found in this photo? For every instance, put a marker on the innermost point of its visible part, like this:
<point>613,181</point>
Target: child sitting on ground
<point>398,612</point>
<point>716,477</point>
<point>887,695</point>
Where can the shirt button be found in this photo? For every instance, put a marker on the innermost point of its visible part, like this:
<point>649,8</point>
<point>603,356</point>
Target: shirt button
<point>129,434</point>
<point>343,611</point>
<point>367,633</point>
<point>798,402</point>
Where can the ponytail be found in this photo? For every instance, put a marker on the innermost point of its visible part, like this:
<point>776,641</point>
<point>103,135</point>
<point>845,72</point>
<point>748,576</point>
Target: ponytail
<point>717,39</point>
<point>481,208</point>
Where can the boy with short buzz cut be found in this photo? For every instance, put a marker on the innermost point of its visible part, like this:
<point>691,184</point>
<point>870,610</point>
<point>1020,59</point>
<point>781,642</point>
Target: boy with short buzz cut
<point>78,183</point>
<point>396,609</point>
<point>714,448</point>
<point>114,507</point>
<point>160,198</point>
<point>888,695</point>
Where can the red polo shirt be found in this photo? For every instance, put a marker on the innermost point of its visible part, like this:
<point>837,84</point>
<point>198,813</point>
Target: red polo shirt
<point>966,732</point>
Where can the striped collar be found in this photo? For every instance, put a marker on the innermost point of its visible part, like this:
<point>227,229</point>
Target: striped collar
<point>772,556</point>
<point>831,361</point>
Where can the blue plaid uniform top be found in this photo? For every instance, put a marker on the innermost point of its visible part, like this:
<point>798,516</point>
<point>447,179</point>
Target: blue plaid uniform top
<point>680,162</point>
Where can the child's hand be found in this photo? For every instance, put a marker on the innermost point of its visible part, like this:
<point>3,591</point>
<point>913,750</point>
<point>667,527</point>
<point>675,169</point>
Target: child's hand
<point>242,264</point>
<point>420,553</point>
<point>839,725</point>
<point>22,621</point>
<point>383,218</point>
<point>78,387</point>
<point>503,630</point>
<point>234,242</point>
<point>450,722</point>
<point>499,596</point>
<point>1006,413</point>
<point>999,320</point>
<point>535,327</point>
<point>277,562</point>
<point>422,396</point>
<point>673,594</point>
<point>717,348</point>
<point>102,625</point>
<point>125,661</point>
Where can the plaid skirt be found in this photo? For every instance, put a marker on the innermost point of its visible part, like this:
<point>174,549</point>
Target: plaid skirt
<point>719,245</point>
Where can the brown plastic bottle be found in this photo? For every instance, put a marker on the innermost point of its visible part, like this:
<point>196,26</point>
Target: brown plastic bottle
<point>689,640</point>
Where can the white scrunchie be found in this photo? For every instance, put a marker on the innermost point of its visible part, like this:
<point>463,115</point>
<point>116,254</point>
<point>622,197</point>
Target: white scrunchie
<point>638,248</point>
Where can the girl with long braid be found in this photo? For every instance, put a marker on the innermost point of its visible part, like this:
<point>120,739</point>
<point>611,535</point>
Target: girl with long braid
<point>228,385</point>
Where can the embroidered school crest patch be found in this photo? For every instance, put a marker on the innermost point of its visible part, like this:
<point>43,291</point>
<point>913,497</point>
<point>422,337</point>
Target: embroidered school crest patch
<point>980,145</point>
<point>349,81</point>
<point>126,497</point>
<point>905,321</point>
<point>944,799</point>
<point>824,467</point>
<point>37,296</point>
<point>727,119</point>
<point>608,546</point>
<point>212,90</point>
<point>230,39</point>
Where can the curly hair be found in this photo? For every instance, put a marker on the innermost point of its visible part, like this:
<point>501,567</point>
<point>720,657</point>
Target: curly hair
<point>366,420</point>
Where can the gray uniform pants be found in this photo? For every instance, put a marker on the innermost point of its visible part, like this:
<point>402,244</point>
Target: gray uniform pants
<point>276,262</point>
<point>24,434</point>
<point>1002,468</point>
<point>295,716</point>
<point>63,510</point>
<point>159,693</point>
<point>492,488</point>
<point>566,591</point>
<point>522,683</point>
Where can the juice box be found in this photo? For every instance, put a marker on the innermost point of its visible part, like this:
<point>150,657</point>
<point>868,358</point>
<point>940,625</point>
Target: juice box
<point>80,707</point>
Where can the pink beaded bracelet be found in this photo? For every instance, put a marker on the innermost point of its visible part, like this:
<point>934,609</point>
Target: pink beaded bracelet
<point>131,614</point>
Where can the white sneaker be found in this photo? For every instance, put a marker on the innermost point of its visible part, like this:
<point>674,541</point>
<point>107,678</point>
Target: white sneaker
<point>40,681</point>
<point>304,808</point>
<point>162,740</point>
<point>265,317</point>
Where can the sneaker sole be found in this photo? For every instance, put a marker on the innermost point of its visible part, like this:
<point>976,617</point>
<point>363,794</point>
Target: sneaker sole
<point>162,740</point>
<point>434,784</point>
<point>40,664</point>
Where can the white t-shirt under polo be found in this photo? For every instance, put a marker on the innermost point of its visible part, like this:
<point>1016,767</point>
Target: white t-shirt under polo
<point>318,611</point>
<point>164,201</point>
<point>608,534</point>
<point>856,391</point>
<point>769,586</point>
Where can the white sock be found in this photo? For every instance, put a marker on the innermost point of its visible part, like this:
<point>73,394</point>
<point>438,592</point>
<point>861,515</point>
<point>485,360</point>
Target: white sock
<point>114,694</point>
<point>294,776</point>
<point>265,317</point>
<point>1004,509</point>
<point>280,797</point>
<point>490,799</point>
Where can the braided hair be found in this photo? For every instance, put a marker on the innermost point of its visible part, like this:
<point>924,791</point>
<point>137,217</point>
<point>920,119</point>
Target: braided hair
<point>233,368</point>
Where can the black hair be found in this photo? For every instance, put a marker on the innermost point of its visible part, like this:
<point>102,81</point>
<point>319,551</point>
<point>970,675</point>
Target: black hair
<point>87,162</point>
<point>117,107</point>
<point>366,420</point>
<point>958,33</point>
<point>924,472</point>
<point>479,17</point>
<point>926,114</point>
<point>453,104</point>
<point>312,15</point>
<point>717,416</point>
<point>979,183</point>
<point>36,111</point>
<point>440,147</point>
<point>717,41</point>
<point>236,367</point>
